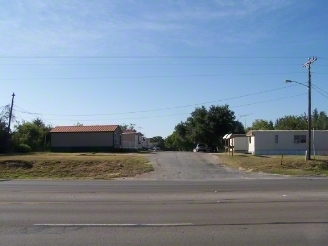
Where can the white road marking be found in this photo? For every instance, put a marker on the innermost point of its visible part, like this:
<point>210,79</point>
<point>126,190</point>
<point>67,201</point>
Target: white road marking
<point>116,225</point>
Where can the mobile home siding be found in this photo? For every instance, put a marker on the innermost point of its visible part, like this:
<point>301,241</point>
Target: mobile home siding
<point>239,143</point>
<point>264,142</point>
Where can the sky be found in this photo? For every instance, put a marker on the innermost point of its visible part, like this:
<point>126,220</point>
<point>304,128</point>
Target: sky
<point>151,63</point>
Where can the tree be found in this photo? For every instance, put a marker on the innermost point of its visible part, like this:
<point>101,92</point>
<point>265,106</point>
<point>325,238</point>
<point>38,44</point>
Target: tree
<point>322,121</point>
<point>315,119</point>
<point>292,122</point>
<point>174,142</point>
<point>4,136</point>
<point>159,140</point>
<point>35,134</point>
<point>78,124</point>
<point>205,126</point>
<point>260,124</point>
<point>238,127</point>
<point>125,127</point>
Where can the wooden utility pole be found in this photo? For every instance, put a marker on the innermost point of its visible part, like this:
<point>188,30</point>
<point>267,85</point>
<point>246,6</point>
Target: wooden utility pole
<point>308,66</point>
<point>11,112</point>
<point>7,141</point>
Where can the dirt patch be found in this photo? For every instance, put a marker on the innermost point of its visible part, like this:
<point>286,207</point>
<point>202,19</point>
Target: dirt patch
<point>8,164</point>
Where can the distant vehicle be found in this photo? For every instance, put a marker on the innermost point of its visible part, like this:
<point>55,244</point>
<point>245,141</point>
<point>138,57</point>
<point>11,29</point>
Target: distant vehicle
<point>201,147</point>
<point>156,148</point>
<point>212,148</point>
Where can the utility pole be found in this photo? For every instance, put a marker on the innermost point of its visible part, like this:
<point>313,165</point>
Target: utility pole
<point>308,66</point>
<point>10,115</point>
<point>11,112</point>
<point>245,115</point>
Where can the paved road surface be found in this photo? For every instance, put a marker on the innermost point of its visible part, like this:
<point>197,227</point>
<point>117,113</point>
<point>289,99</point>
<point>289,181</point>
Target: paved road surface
<point>189,200</point>
<point>226,212</point>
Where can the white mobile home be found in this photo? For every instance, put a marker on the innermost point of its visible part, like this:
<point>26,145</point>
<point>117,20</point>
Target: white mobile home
<point>288,142</point>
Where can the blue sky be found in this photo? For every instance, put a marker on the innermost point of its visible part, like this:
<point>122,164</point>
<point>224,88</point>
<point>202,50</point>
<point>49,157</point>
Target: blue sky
<point>151,63</point>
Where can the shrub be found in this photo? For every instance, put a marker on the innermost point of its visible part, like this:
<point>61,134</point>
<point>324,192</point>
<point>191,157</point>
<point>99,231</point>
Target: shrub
<point>23,148</point>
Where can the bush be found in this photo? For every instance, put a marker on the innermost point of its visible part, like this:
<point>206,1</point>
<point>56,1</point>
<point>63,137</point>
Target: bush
<point>23,148</point>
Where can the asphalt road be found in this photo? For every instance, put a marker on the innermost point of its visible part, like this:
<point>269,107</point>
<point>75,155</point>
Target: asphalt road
<point>231,210</point>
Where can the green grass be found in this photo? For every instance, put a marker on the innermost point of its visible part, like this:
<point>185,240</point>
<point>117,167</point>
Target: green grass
<point>288,165</point>
<point>72,166</point>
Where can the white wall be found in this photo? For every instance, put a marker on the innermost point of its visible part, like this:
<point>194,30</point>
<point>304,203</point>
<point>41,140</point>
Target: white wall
<point>264,142</point>
<point>251,144</point>
<point>239,143</point>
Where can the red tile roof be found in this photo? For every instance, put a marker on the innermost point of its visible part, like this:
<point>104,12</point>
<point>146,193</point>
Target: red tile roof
<point>99,128</point>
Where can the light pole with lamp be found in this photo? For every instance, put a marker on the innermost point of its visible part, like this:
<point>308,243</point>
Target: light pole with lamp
<point>308,66</point>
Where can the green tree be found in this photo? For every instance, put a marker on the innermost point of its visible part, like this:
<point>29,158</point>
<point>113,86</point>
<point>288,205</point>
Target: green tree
<point>322,121</point>
<point>159,140</point>
<point>291,122</point>
<point>260,124</point>
<point>125,127</point>
<point>207,126</point>
<point>4,136</point>
<point>34,134</point>
<point>174,142</point>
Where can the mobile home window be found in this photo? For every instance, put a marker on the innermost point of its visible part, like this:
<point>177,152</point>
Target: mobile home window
<point>276,138</point>
<point>299,138</point>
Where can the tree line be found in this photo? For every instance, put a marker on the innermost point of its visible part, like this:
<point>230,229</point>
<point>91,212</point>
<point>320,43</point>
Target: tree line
<point>204,125</point>
<point>319,121</point>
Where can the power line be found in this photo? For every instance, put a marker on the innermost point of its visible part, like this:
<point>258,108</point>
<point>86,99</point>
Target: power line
<point>169,108</point>
<point>26,112</point>
<point>160,116</point>
<point>320,92</point>
<point>319,88</point>
<point>149,64</point>
<point>152,76</point>
<point>155,57</point>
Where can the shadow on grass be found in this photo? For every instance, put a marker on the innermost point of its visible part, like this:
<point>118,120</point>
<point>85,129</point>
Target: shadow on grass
<point>262,156</point>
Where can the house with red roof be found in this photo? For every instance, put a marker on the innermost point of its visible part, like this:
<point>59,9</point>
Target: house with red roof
<point>98,138</point>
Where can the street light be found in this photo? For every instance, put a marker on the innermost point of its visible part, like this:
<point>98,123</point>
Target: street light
<point>308,64</point>
<point>308,154</point>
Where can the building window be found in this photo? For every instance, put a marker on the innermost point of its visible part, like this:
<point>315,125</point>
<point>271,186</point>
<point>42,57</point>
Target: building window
<point>299,138</point>
<point>250,139</point>
<point>276,138</point>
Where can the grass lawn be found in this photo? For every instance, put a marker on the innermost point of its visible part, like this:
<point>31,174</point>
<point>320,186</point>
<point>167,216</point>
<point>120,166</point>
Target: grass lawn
<point>72,166</point>
<point>289,165</point>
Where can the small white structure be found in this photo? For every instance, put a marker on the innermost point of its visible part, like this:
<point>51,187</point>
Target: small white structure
<point>287,142</point>
<point>239,142</point>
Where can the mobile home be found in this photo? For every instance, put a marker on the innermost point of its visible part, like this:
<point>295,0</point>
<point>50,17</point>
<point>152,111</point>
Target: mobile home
<point>288,142</point>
